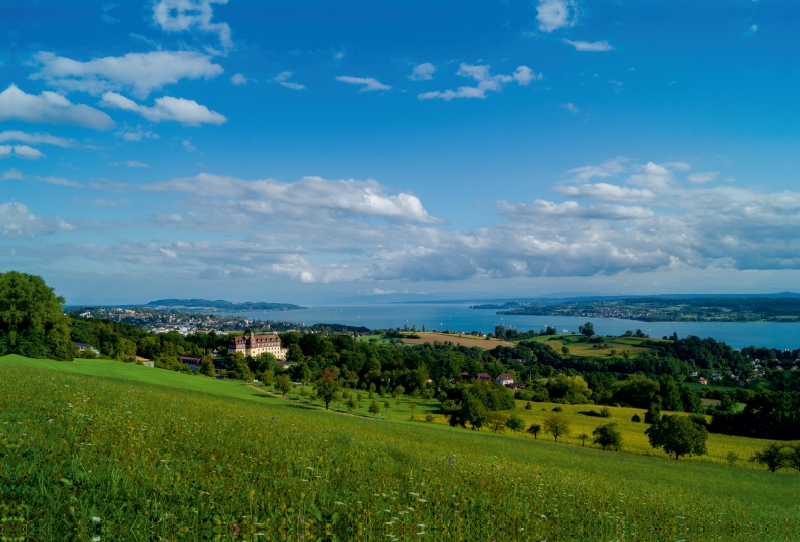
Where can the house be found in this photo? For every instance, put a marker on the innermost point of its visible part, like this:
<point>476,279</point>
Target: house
<point>83,347</point>
<point>516,386</point>
<point>703,381</point>
<point>255,345</point>
<point>505,379</point>
<point>693,374</point>
<point>194,362</point>
<point>466,377</point>
<point>484,377</point>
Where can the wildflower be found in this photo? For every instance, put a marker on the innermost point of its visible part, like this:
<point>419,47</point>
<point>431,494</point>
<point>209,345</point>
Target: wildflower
<point>96,519</point>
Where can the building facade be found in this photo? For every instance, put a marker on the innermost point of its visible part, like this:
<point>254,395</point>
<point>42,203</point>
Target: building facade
<point>255,345</point>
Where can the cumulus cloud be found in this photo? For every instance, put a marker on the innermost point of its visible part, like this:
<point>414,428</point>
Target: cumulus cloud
<point>28,153</point>
<point>239,79</point>
<point>654,175</point>
<point>12,175</point>
<point>486,82</point>
<point>139,73</point>
<point>187,112</point>
<point>702,177</point>
<point>136,163</point>
<point>555,14</point>
<point>183,15</point>
<point>349,196</point>
<point>607,192</point>
<point>591,46</point>
<point>24,137</point>
<point>367,83</point>
<point>541,209</point>
<point>750,31</point>
<point>608,168</point>
<point>569,106</point>
<point>17,221</point>
<point>282,79</point>
<point>137,135</point>
<point>49,108</point>
<point>422,72</point>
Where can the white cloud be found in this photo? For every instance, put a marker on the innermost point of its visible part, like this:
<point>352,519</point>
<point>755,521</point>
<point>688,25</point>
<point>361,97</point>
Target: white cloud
<point>182,15</point>
<point>239,79</point>
<point>135,163</point>
<point>59,181</point>
<point>21,151</point>
<point>24,137</point>
<point>555,14</point>
<point>282,79</point>
<point>702,177</point>
<point>139,73</point>
<point>422,72</point>
<point>187,112</point>
<point>49,108</point>
<point>28,153</point>
<point>356,198</point>
<point>609,168</point>
<point>592,46</point>
<point>188,145</point>
<point>752,30</point>
<point>17,221</point>
<point>368,83</point>
<point>569,106</point>
<point>12,175</point>
<point>486,82</point>
<point>138,135</point>
<point>607,192</point>
<point>657,176</point>
<point>106,17</point>
<point>524,75</point>
<point>547,210</point>
<point>63,225</point>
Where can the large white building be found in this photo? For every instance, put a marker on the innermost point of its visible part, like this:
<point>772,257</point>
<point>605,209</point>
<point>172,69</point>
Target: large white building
<point>254,345</point>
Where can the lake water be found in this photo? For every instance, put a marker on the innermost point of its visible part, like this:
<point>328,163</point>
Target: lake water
<point>459,317</point>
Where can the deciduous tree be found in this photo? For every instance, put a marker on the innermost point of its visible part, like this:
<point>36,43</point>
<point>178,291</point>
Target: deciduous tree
<point>678,435</point>
<point>558,426</point>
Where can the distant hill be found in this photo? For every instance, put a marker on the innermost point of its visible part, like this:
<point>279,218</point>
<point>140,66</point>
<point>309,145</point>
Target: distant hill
<point>222,305</point>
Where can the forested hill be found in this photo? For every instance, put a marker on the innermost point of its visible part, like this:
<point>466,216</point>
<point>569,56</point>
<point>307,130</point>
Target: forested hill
<point>222,305</point>
<point>664,309</point>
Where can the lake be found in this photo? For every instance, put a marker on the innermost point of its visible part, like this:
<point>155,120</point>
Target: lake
<point>459,317</point>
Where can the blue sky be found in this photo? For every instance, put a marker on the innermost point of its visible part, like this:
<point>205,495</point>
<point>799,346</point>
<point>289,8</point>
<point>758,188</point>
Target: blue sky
<point>325,152</point>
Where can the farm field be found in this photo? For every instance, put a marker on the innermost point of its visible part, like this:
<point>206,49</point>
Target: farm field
<point>123,452</point>
<point>461,340</point>
<point>586,349</point>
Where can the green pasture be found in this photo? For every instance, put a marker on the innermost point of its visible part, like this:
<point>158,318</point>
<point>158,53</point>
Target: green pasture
<point>100,450</point>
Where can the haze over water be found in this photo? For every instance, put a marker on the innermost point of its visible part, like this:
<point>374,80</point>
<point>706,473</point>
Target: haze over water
<point>459,317</point>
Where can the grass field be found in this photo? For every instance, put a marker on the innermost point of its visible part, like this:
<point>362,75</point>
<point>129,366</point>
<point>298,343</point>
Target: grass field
<point>99,450</point>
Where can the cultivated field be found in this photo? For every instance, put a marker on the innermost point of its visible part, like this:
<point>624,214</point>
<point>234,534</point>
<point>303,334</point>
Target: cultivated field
<point>614,346</point>
<point>460,340</point>
<point>146,454</point>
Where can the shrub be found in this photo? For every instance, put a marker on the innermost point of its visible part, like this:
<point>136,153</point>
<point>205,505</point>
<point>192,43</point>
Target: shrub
<point>636,418</point>
<point>605,412</point>
<point>557,409</point>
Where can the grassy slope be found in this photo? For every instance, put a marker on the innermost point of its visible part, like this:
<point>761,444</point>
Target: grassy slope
<point>692,492</point>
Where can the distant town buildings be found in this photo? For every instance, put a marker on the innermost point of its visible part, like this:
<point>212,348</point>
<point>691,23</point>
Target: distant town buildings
<point>255,345</point>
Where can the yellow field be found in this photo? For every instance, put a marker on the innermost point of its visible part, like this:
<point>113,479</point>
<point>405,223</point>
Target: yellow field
<point>585,349</point>
<point>461,340</point>
<point>634,441</point>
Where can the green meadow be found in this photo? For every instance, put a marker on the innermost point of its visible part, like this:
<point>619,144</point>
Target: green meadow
<point>101,450</point>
